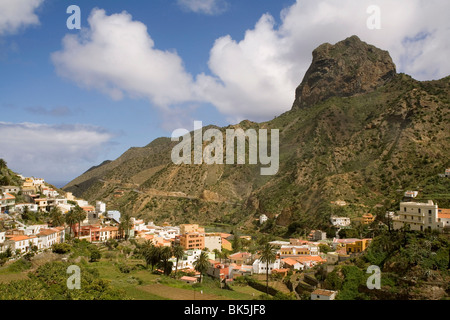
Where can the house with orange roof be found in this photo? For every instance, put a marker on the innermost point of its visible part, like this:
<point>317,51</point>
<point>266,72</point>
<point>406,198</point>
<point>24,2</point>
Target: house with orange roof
<point>444,218</point>
<point>7,202</point>
<point>189,280</point>
<point>240,258</point>
<point>47,238</point>
<point>322,294</point>
<point>292,263</point>
<point>21,242</point>
<point>310,261</point>
<point>282,271</point>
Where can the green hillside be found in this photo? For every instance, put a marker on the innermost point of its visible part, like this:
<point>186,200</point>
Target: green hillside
<point>365,146</point>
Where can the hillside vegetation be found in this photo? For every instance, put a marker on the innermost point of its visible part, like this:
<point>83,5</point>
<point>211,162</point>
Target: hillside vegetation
<point>365,145</point>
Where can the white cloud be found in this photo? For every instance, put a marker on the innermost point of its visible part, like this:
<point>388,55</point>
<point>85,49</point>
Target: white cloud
<point>117,56</point>
<point>256,77</point>
<point>209,7</point>
<point>52,151</point>
<point>15,14</point>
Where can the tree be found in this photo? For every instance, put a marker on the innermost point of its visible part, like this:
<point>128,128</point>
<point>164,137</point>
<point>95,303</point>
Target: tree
<point>3,164</point>
<point>125,224</point>
<point>267,256</point>
<point>56,217</point>
<point>80,215</point>
<point>71,220</point>
<point>27,214</point>
<point>178,253</point>
<point>94,253</point>
<point>324,248</point>
<point>151,255</point>
<point>165,255</point>
<point>202,264</point>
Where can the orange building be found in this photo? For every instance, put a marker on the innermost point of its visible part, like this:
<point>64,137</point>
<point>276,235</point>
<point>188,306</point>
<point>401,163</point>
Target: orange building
<point>191,241</point>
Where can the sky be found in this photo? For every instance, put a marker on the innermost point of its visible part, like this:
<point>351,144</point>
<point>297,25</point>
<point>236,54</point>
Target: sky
<point>137,70</point>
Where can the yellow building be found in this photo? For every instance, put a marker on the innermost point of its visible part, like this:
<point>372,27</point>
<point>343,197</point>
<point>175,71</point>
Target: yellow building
<point>226,245</point>
<point>357,246</point>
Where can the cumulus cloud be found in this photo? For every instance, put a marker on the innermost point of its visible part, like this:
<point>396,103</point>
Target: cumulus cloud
<point>209,7</point>
<point>255,77</point>
<point>50,150</point>
<point>16,14</point>
<point>117,56</point>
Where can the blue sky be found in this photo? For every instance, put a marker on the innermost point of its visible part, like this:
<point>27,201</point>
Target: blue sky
<point>138,70</point>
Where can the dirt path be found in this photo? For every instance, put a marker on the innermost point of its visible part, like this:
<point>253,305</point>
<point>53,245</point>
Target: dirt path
<point>178,293</point>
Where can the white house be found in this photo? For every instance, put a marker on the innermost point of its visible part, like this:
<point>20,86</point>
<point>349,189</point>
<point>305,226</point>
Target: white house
<point>260,267</point>
<point>444,217</point>
<point>21,243</point>
<point>419,216</point>
<point>411,194</point>
<point>263,218</point>
<point>2,241</point>
<point>340,221</point>
<point>10,189</point>
<point>47,238</point>
<point>7,202</point>
<point>82,203</point>
<point>213,241</point>
<point>100,207</point>
<point>31,207</point>
<point>322,294</point>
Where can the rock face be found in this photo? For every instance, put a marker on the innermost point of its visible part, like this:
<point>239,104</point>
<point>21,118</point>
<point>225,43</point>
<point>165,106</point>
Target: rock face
<point>347,68</point>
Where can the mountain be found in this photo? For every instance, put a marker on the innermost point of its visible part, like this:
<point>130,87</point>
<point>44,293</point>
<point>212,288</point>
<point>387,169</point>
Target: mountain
<point>358,131</point>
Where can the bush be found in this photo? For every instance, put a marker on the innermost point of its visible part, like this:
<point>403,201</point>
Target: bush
<point>94,254</point>
<point>61,248</point>
<point>124,268</point>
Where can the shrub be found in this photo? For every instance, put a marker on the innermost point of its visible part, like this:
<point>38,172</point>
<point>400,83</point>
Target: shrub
<point>61,248</point>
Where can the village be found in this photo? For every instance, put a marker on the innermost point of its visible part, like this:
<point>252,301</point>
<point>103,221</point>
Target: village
<point>226,261</point>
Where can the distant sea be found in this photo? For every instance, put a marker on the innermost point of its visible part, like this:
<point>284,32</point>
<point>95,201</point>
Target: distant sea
<point>58,184</point>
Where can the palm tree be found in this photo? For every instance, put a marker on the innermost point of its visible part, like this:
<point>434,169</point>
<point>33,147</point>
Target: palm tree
<point>125,224</point>
<point>152,255</point>
<point>2,164</point>
<point>165,255</point>
<point>80,215</point>
<point>178,253</point>
<point>202,264</point>
<point>71,219</point>
<point>56,217</point>
<point>268,256</point>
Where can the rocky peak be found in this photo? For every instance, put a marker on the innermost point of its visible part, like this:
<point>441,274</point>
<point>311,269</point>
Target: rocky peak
<point>347,68</point>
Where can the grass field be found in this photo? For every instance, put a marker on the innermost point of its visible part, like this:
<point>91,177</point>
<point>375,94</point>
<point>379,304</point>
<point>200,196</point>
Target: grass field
<point>140,283</point>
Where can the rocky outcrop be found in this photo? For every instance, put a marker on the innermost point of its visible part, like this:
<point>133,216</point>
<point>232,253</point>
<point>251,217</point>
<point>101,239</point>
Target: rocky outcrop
<point>347,68</point>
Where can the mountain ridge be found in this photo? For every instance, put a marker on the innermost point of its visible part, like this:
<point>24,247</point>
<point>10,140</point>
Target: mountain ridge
<point>358,146</point>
